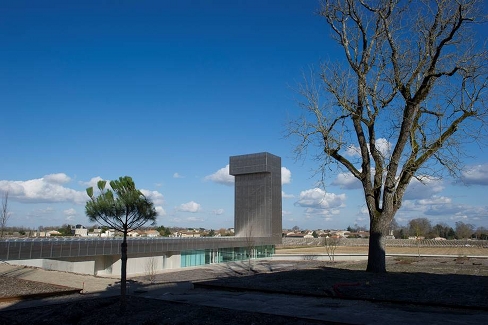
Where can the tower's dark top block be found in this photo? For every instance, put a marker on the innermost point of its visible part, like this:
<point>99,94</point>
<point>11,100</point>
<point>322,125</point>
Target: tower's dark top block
<point>254,163</point>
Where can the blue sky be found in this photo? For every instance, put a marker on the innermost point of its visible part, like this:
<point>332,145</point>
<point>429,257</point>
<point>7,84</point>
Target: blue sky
<point>165,92</point>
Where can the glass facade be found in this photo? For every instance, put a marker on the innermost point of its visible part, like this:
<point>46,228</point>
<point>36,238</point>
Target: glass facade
<point>223,255</point>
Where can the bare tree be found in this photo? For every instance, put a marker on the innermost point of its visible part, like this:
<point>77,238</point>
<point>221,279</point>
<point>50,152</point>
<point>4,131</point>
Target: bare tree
<point>410,93</point>
<point>151,268</point>
<point>464,230</point>
<point>250,246</point>
<point>331,244</point>
<point>5,214</point>
<point>481,233</point>
<point>419,228</point>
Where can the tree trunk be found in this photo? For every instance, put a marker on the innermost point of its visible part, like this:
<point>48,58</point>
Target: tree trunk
<point>376,251</point>
<point>123,274</point>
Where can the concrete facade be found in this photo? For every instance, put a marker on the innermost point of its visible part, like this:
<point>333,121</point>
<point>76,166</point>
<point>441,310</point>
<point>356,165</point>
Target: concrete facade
<point>257,207</point>
<point>107,265</point>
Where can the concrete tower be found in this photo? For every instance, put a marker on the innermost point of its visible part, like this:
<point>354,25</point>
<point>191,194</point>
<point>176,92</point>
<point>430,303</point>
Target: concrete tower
<point>257,207</point>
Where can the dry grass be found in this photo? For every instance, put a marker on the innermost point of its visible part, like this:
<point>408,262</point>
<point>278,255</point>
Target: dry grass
<point>454,251</point>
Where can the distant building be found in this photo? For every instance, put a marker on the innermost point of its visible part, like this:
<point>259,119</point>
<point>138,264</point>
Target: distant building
<point>186,234</point>
<point>79,231</point>
<point>133,233</point>
<point>295,235</point>
<point>53,233</point>
<point>152,233</point>
<point>108,233</point>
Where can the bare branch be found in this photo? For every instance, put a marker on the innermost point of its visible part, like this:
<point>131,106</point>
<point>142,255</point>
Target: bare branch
<point>412,74</point>
<point>5,215</point>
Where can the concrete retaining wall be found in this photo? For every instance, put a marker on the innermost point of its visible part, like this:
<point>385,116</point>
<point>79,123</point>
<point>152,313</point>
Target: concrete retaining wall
<point>318,257</point>
<point>73,265</point>
<point>106,265</point>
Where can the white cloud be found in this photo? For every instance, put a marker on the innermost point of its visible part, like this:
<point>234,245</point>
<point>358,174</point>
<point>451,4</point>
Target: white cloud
<point>221,176</point>
<point>317,198</point>
<point>156,197</point>
<point>190,207</point>
<point>285,175</point>
<point>412,206</point>
<point>320,204</point>
<point>218,212</point>
<point>347,181</point>
<point>160,211</point>
<point>461,217</point>
<point>92,182</point>
<point>420,190</point>
<point>440,209</point>
<point>364,210</point>
<point>353,151</point>
<point>447,210</point>
<point>287,196</point>
<point>435,200</point>
<point>176,175</point>
<point>361,219</point>
<point>41,212</point>
<point>47,189</point>
<point>70,212</point>
<point>59,178</point>
<point>475,175</point>
<point>195,219</point>
<point>382,144</point>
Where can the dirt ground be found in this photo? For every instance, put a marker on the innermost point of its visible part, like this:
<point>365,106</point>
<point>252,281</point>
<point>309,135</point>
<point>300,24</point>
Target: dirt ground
<point>455,282</point>
<point>442,250</point>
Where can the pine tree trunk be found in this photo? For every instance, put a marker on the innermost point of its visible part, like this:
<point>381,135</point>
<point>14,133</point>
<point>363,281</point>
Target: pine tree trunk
<point>123,275</point>
<point>376,251</point>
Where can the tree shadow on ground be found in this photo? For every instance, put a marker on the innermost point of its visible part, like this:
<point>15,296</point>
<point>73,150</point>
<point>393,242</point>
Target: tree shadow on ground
<point>416,284</point>
<point>411,282</point>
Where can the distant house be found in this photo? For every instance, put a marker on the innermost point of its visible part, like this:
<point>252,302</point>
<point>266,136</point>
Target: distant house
<point>295,235</point>
<point>309,235</point>
<point>363,234</point>
<point>108,233</point>
<point>53,233</point>
<point>341,233</point>
<point>189,234</point>
<point>152,233</point>
<point>133,233</point>
<point>79,231</point>
<point>97,231</point>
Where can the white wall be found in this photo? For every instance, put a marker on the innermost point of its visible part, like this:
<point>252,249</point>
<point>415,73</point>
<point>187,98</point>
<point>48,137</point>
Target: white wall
<point>73,265</point>
<point>107,265</point>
